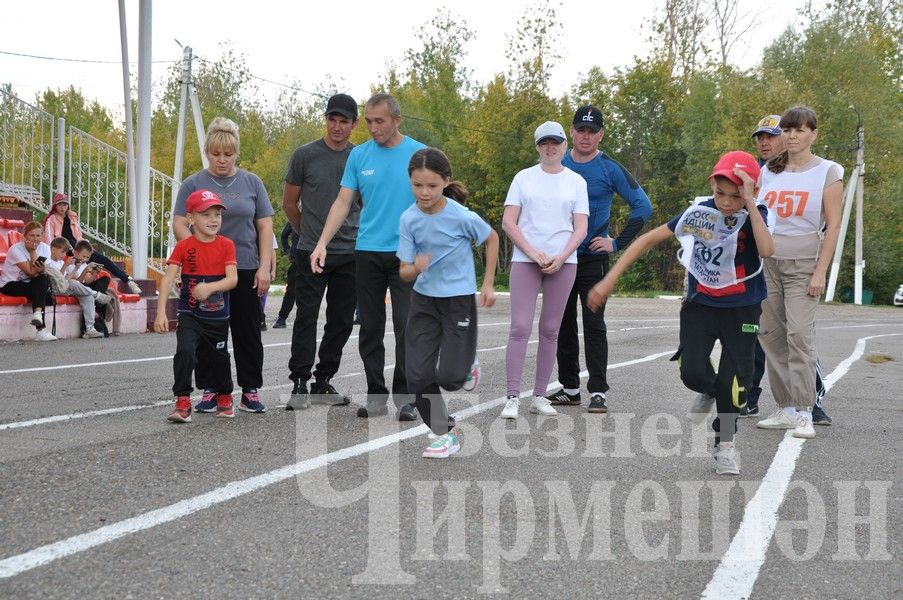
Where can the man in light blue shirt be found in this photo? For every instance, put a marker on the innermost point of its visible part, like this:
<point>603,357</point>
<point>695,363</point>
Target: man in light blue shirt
<point>377,169</point>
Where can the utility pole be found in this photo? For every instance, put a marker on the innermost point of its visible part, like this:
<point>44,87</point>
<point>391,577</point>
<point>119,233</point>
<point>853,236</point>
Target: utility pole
<point>858,262</point>
<point>852,194</point>
<point>142,158</point>
<point>188,92</point>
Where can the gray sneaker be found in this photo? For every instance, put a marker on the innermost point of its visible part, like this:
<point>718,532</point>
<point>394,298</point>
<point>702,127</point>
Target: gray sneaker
<point>322,392</point>
<point>726,461</point>
<point>299,400</point>
<point>375,407</point>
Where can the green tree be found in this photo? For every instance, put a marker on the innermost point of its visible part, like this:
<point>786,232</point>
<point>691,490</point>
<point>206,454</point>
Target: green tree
<point>89,116</point>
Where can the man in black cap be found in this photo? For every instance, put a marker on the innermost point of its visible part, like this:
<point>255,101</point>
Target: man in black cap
<point>604,176</point>
<point>311,186</point>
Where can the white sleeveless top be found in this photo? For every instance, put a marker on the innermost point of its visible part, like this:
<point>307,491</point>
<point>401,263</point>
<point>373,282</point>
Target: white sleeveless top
<point>796,200</point>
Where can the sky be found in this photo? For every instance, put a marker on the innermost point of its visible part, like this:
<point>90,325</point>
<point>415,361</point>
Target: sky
<point>317,45</point>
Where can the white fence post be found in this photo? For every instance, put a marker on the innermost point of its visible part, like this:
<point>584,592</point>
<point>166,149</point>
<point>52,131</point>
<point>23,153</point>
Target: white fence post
<point>60,155</point>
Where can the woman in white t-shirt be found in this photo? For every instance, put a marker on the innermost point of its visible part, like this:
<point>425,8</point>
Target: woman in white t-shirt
<point>805,192</point>
<point>545,216</point>
<point>23,275</point>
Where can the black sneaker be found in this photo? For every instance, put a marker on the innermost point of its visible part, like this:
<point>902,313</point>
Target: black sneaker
<point>597,404</point>
<point>329,393</point>
<point>263,326</point>
<point>375,407</point>
<point>750,410</point>
<point>299,399</point>
<point>279,324</point>
<point>820,417</point>
<point>408,412</point>
<point>562,398</point>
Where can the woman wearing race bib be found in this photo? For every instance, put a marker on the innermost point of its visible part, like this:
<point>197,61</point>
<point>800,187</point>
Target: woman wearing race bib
<point>804,191</point>
<point>723,239</point>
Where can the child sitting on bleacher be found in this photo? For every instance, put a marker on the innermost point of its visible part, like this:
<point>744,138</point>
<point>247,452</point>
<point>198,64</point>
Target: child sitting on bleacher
<point>23,275</point>
<point>63,222</point>
<point>61,269</point>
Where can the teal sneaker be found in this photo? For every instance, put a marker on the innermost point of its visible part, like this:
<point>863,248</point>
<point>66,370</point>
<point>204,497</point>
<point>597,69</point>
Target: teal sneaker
<point>444,445</point>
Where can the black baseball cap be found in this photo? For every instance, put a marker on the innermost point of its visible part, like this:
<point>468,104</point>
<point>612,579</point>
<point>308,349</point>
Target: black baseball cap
<point>342,104</point>
<point>589,116</point>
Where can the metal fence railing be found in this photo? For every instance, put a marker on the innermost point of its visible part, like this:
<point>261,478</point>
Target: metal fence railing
<point>28,148</point>
<point>97,183</point>
<point>38,156</point>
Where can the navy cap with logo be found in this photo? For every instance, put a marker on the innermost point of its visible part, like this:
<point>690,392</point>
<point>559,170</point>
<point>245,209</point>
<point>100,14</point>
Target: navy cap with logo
<point>770,124</point>
<point>342,104</point>
<point>589,116</point>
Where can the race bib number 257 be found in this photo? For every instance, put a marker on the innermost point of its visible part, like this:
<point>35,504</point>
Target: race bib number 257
<point>787,203</point>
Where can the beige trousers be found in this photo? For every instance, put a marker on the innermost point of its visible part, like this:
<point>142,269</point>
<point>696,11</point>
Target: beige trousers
<point>787,331</point>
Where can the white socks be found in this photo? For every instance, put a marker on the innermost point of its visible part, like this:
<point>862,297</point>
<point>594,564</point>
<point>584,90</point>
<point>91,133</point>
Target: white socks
<point>790,411</point>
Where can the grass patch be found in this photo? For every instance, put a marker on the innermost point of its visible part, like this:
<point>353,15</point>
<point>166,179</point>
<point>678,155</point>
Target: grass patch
<point>877,358</point>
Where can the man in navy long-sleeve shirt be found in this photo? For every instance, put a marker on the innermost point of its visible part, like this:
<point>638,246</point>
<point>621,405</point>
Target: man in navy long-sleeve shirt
<point>604,176</point>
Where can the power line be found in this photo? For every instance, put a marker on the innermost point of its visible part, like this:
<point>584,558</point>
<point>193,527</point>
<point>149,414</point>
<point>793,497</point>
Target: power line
<point>78,60</point>
<point>319,95</point>
<point>251,75</point>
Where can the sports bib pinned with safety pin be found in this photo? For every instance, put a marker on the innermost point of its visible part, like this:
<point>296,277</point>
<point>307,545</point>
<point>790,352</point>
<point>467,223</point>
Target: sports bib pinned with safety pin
<point>708,244</point>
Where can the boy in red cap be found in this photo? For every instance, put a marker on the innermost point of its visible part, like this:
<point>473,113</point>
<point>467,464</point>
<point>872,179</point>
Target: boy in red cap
<point>209,271</point>
<point>723,240</point>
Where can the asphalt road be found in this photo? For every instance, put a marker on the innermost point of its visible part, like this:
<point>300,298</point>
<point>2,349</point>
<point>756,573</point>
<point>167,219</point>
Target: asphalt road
<point>101,497</point>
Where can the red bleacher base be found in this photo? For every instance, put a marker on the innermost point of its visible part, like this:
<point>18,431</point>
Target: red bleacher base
<point>15,324</point>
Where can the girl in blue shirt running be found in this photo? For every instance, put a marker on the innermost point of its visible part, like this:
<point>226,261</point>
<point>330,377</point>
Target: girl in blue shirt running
<point>434,247</point>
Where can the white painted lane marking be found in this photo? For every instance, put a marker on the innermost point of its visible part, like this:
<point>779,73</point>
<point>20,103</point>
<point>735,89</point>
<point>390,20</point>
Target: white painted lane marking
<point>739,568</point>
<point>133,407</point>
<point>15,565</point>
<point>273,345</point>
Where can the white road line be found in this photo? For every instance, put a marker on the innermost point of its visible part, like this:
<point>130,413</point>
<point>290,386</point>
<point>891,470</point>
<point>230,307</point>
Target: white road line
<point>133,407</point>
<point>863,326</point>
<point>169,356</point>
<point>15,565</point>
<point>739,568</point>
<point>275,345</point>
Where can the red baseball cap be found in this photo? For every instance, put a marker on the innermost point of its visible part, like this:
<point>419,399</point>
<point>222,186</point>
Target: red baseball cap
<point>201,200</point>
<point>736,158</point>
<point>60,197</point>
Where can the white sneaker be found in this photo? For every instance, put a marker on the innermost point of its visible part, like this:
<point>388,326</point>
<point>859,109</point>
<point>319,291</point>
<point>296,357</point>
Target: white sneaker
<point>701,407</point>
<point>44,336</point>
<point>542,406</point>
<point>90,333</point>
<point>726,460</point>
<point>803,428</point>
<point>101,298</point>
<point>133,287</point>
<point>37,319</point>
<point>512,406</point>
<point>779,420</point>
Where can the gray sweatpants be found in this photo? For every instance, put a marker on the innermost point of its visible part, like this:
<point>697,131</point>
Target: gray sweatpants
<point>85,297</point>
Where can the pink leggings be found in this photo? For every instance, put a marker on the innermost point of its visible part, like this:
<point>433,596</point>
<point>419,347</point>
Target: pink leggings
<point>525,282</point>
